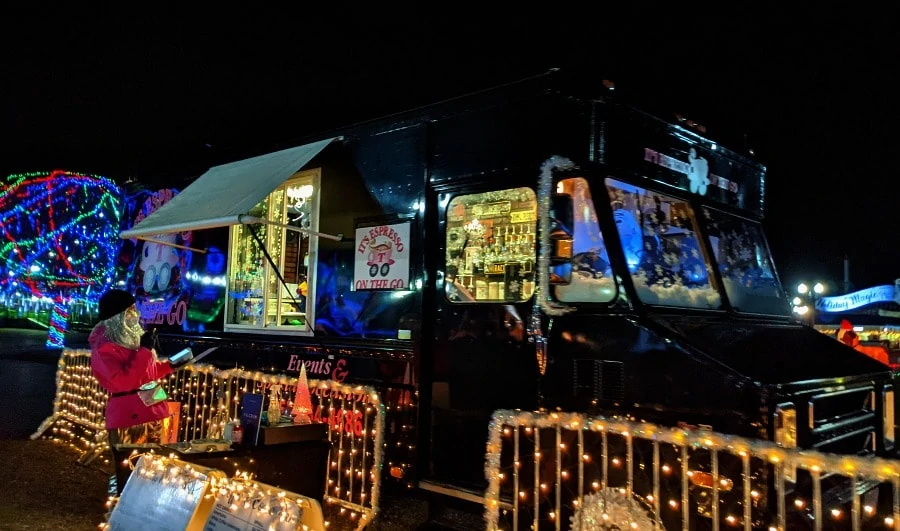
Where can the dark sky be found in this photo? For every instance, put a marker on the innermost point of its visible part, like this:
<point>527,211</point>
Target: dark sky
<point>814,96</point>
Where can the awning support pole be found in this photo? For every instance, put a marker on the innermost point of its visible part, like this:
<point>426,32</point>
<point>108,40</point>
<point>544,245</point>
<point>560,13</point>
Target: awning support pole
<point>175,245</point>
<point>251,220</point>
<point>273,264</point>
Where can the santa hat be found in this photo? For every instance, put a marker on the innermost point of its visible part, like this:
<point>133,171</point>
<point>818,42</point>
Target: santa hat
<point>845,325</point>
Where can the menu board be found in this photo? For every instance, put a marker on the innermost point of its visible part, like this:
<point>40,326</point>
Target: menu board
<point>263,508</point>
<point>171,498</point>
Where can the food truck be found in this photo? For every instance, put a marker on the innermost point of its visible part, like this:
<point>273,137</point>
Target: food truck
<point>538,245</point>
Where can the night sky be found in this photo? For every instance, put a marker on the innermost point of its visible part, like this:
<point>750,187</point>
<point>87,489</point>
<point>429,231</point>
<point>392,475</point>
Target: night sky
<point>815,98</point>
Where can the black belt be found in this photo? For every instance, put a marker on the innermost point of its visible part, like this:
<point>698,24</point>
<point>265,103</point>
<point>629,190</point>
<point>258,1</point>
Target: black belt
<point>124,393</point>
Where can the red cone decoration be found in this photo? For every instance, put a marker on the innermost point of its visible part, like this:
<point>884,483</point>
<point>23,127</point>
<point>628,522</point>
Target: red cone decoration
<point>302,409</point>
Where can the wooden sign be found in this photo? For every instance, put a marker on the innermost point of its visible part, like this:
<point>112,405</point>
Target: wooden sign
<point>256,506</point>
<point>490,210</point>
<point>523,216</point>
<point>164,494</point>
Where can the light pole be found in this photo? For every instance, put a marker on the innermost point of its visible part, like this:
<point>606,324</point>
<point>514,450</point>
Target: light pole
<point>812,294</point>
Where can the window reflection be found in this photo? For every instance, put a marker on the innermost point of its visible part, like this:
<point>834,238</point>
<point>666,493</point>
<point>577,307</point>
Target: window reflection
<point>591,279</point>
<point>741,253</point>
<point>662,250</point>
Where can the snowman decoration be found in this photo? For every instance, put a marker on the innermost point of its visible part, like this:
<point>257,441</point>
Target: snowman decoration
<point>158,262</point>
<point>698,172</point>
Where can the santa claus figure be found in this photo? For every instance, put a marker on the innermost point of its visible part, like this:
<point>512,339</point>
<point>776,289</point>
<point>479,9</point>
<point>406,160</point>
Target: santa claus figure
<point>846,335</point>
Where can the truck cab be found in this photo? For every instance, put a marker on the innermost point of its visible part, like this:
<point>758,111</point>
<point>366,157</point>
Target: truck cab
<point>652,293</point>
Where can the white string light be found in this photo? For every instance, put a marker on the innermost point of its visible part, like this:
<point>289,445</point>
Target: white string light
<point>80,403</point>
<point>506,422</point>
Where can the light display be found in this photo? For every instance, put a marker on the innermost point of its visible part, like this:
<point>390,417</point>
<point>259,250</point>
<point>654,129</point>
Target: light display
<point>556,465</point>
<point>262,501</point>
<point>355,416</point>
<point>60,237</point>
<point>59,317</point>
<point>302,402</point>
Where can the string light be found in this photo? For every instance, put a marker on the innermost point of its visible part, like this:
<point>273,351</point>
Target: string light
<point>79,416</point>
<point>59,244</point>
<point>60,231</point>
<point>514,424</point>
<point>545,191</point>
<point>59,319</point>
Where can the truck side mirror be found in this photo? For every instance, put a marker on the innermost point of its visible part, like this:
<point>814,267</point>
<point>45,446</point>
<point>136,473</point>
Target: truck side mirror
<point>562,217</point>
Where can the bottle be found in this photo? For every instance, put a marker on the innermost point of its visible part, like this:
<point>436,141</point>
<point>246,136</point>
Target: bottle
<point>228,432</point>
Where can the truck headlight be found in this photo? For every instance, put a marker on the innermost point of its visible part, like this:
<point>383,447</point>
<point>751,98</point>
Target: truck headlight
<point>786,426</point>
<point>887,416</point>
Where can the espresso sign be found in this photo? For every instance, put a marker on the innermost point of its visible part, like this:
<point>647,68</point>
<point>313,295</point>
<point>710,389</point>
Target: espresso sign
<point>381,260</point>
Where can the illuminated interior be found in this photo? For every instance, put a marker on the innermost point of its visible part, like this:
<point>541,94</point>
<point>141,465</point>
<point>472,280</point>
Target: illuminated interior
<point>491,240</point>
<point>279,297</point>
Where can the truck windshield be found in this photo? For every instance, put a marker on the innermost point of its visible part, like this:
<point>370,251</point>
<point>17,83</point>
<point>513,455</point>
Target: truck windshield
<point>662,249</point>
<point>740,251</point>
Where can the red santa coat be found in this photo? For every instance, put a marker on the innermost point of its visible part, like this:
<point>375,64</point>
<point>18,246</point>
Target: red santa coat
<point>118,370</point>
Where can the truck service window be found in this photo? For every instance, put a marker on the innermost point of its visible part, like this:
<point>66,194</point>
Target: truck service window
<point>665,258</point>
<point>743,259</point>
<point>257,298</point>
<point>591,279</point>
<point>491,246</point>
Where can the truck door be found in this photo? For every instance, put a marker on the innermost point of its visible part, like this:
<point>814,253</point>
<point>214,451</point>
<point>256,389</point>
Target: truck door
<point>480,359</point>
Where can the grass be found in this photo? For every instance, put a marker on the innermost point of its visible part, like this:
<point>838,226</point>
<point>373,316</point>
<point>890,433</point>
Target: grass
<point>44,488</point>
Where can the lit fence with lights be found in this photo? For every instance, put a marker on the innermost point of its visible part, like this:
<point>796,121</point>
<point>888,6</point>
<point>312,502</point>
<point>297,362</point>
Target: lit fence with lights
<point>571,471</point>
<point>209,397</point>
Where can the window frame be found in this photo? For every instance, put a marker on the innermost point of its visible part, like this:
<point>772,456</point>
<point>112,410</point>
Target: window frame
<point>315,175</point>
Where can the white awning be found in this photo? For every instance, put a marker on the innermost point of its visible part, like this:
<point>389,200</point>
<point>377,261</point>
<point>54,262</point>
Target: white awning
<point>222,195</point>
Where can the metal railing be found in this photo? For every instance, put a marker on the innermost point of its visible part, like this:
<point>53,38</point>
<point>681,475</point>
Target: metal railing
<point>570,471</point>
<point>208,397</point>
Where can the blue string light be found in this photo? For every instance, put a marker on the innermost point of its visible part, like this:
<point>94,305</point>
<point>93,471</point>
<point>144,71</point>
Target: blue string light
<point>58,241</point>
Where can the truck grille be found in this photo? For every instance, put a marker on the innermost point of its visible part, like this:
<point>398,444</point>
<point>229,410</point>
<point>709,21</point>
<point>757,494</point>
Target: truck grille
<point>599,380</point>
<point>843,422</point>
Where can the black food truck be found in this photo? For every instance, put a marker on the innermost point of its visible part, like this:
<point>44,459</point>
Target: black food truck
<point>538,245</point>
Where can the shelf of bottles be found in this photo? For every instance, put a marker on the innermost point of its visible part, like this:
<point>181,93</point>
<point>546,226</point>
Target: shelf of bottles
<point>245,289</point>
<point>491,239</point>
